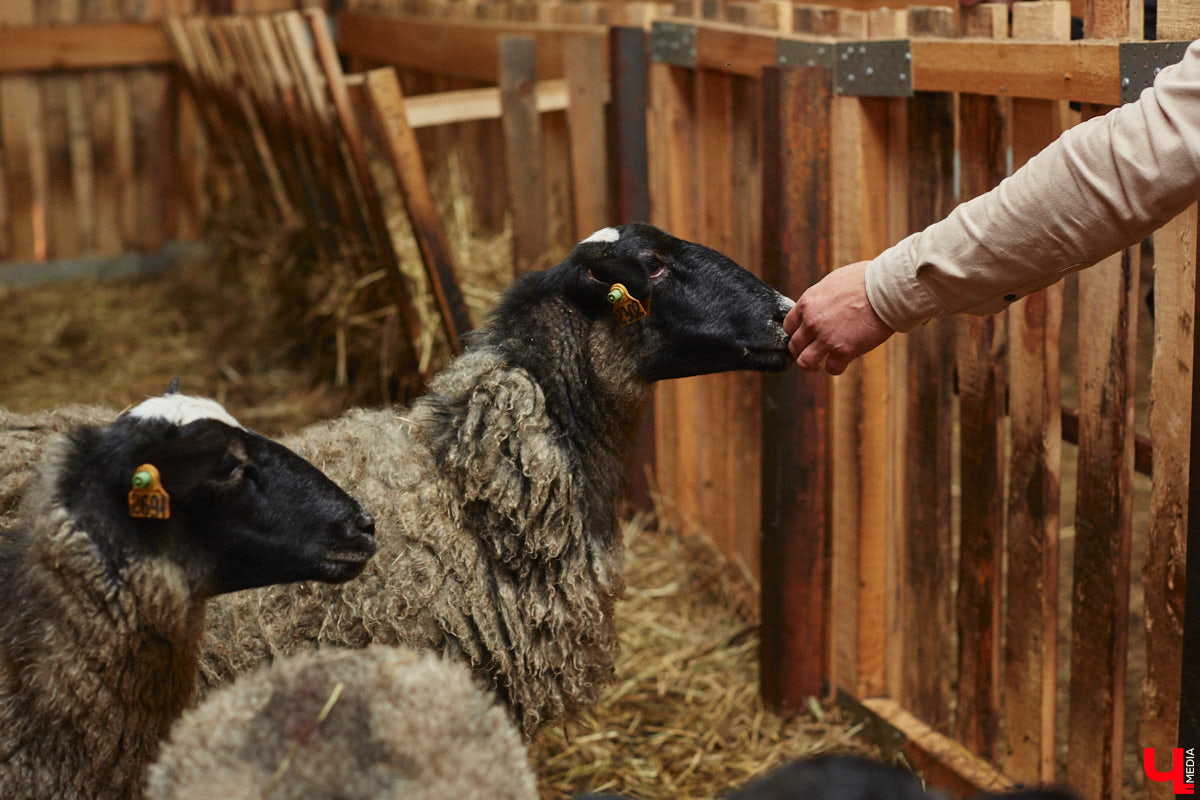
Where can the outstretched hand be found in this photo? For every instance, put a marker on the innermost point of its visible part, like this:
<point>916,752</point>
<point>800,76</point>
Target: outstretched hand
<point>833,322</point>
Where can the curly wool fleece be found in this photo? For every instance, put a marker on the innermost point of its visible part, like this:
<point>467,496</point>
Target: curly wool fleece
<point>497,539</point>
<point>369,724</point>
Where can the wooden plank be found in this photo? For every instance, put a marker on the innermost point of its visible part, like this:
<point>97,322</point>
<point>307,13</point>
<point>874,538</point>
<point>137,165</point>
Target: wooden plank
<point>585,124</point>
<point>1189,689</point>
<point>348,124</point>
<point>1178,20</point>
<point>557,218</point>
<point>629,71</point>
<point>797,239</point>
<point>400,146</point>
<point>734,50</point>
<point>62,235</point>
<point>523,151</point>
<point>1035,467</point>
<point>463,50</point>
<point>83,46</point>
<point>1164,573</point>
<point>938,759</point>
<point>671,152</point>
<point>1079,71</point>
<point>744,410</point>
<point>981,386</point>
<point>714,174</point>
<point>20,137</point>
<point>1103,522</point>
<point>629,68</point>
<point>927,603</point>
<point>468,105</point>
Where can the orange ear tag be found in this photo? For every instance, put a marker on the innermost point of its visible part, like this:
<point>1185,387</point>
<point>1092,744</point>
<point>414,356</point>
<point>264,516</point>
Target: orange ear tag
<point>626,307</point>
<point>148,499</point>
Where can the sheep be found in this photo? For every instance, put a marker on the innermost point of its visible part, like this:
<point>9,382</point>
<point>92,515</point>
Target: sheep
<point>497,493</point>
<point>382,722</point>
<point>124,533</point>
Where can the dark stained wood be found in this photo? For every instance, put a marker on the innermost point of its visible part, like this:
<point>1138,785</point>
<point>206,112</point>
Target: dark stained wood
<point>796,240</point>
<point>981,387</point>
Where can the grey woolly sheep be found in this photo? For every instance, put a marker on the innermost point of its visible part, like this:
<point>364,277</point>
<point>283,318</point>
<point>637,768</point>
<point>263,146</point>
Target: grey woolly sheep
<point>121,537</point>
<point>370,724</point>
<point>22,437</point>
<point>497,494</point>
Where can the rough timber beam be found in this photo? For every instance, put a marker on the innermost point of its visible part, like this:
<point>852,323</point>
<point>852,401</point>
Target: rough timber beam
<point>90,46</point>
<point>461,49</point>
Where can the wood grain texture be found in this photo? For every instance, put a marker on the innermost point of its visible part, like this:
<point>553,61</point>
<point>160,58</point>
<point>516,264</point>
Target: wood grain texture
<point>523,151</point>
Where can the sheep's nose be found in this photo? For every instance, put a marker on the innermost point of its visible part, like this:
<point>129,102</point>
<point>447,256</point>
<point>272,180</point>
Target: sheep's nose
<point>782,308</point>
<point>364,522</point>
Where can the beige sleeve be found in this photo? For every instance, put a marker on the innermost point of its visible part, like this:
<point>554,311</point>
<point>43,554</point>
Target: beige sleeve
<point>1101,186</point>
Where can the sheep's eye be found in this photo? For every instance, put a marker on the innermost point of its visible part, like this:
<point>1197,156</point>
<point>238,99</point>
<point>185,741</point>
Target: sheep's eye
<point>231,467</point>
<point>658,267</point>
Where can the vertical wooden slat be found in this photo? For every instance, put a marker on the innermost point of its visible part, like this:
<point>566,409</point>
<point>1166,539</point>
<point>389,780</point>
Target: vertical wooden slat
<point>671,151</point>
<point>523,151</point>
<point>629,76</point>
<point>1104,505</point>
<point>928,609</point>
<point>714,168</point>
<point>980,340</point>
<point>583,61</point>
<point>1189,682</point>
<point>743,413</point>
<point>62,235</point>
<point>796,241</point>
<point>628,68</point>
<point>400,147</point>
<point>20,112</point>
<point>1164,572</point>
<point>1103,523</point>
<point>1035,468</point>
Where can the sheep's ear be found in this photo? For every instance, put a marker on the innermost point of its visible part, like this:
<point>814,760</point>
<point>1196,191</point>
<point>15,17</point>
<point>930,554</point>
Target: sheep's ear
<point>173,388</point>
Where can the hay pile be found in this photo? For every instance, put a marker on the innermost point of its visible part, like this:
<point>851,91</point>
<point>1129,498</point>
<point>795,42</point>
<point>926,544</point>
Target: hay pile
<point>684,719</point>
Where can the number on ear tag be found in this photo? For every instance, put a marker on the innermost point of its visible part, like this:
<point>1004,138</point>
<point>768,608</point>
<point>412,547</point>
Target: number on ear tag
<point>148,499</point>
<point>626,307</point>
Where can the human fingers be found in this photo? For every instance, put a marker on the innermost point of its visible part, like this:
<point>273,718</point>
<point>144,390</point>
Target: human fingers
<point>812,357</point>
<point>794,318</point>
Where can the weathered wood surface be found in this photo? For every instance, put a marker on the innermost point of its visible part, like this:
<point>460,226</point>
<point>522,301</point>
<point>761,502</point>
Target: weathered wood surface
<point>797,238</point>
<point>1031,623</point>
<point>66,44</point>
<point>523,151</point>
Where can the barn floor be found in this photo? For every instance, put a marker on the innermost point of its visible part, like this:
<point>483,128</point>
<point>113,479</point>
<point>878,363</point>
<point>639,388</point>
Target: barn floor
<point>683,720</point>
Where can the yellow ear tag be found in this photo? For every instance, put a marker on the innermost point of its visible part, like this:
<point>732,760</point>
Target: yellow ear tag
<point>626,307</point>
<point>148,499</point>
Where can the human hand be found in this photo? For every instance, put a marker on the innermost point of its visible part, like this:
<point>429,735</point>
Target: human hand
<point>833,322</point>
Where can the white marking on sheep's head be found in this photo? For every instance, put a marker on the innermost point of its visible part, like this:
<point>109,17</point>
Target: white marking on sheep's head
<point>607,235</point>
<point>180,409</point>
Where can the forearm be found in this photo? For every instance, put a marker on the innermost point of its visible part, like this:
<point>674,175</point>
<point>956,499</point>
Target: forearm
<point>1103,185</point>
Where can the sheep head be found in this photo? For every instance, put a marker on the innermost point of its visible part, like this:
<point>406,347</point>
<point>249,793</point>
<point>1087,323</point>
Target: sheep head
<point>244,511</point>
<point>685,308</point>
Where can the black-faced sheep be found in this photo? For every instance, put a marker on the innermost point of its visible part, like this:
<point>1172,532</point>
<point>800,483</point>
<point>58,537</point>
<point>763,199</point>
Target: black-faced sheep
<point>371,724</point>
<point>497,494</point>
<point>125,532</point>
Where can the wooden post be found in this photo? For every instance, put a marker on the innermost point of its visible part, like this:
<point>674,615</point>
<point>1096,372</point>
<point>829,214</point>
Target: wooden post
<point>523,151</point>
<point>928,610</point>
<point>400,146</point>
<point>797,238</point>
<point>1035,468</point>
<point>20,110</point>
<point>981,340</point>
<point>671,154</point>
<point>1189,684</point>
<point>628,68</point>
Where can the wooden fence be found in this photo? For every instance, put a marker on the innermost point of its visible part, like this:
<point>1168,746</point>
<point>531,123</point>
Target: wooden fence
<point>943,537</point>
<point>906,520</point>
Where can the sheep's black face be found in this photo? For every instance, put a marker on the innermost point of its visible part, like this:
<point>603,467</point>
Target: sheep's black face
<point>244,511</point>
<point>706,313</point>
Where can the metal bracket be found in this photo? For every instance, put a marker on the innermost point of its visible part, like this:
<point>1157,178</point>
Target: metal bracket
<point>874,69</point>
<point>673,43</point>
<point>1142,61</point>
<point>792,53</point>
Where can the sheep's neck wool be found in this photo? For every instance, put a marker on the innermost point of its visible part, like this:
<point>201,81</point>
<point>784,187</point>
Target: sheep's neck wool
<point>603,235</point>
<point>180,409</point>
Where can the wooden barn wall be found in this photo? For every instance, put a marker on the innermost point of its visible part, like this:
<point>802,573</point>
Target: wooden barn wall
<point>905,520</point>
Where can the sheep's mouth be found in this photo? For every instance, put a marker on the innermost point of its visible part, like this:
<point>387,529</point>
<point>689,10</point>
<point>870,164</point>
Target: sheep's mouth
<point>768,359</point>
<point>342,565</point>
